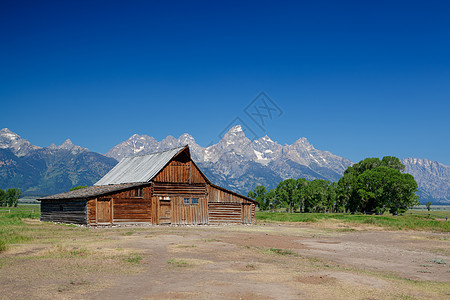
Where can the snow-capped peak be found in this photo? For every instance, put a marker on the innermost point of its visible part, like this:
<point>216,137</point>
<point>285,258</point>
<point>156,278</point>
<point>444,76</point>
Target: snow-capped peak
<point>68,145</point>
<point>6,133</point>
<point>12,141</point>
<point>236,129</point>
<point>267,139</point>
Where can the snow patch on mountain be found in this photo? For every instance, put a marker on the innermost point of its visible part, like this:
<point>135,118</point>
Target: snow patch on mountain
<point>17,145</point>
<point>235,157</point>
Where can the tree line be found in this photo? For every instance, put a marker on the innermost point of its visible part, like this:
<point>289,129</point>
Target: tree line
<point>10,197</point>
<point>370,186</point>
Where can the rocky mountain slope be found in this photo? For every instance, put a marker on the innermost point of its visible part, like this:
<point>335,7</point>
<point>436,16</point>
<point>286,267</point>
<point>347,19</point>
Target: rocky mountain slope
<point>50,170</point>
<point>235,162</point>
<point>239,163</point>
<point>13,142</point>
<point>433,179</point>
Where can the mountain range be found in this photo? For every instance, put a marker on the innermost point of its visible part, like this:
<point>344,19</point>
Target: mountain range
<point>42,171</point>
<point>234,162</point>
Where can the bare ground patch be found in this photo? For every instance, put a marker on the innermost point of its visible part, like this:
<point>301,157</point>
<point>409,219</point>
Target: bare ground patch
<point>271,261</point>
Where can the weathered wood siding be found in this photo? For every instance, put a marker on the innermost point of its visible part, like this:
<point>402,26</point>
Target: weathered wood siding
<point>169,207</point>
<point>92,211</point>
<point>189,213</point>
<point>181,189</point>
<point>227,207</point>
<point>124,207</point>
<point>253,213</point>
<point>132,210</point>
<point>129,208</point>
<point>219,195</point>
<point>180,172</point>
<point>104,210</point>
<point>73,211</point>
<point>219,213</point>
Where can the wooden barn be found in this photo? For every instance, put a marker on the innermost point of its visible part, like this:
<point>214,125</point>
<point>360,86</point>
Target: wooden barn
<point>158,188</point>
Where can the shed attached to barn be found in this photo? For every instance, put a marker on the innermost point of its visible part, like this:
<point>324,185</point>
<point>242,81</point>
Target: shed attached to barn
<point>159,188</point>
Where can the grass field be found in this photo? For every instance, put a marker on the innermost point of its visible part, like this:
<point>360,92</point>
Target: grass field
<point>12,228</point>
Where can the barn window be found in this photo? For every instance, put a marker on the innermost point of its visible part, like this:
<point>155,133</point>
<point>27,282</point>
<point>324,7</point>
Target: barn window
<point>186,200</point>
<point>138,193</point>
<point>194,200</point>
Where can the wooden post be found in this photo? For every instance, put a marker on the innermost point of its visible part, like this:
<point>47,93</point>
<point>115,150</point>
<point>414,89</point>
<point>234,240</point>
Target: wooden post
<point>111,210</point>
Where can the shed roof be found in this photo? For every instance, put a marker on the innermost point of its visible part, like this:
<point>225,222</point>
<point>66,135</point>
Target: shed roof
<point>92,191</point>
<point>140,168</point>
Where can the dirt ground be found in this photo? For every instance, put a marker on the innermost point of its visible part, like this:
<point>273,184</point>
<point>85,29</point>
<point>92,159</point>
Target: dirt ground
<point>265,261</point>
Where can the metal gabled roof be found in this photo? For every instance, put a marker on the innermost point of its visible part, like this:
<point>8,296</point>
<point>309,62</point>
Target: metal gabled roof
<point>141,168</point>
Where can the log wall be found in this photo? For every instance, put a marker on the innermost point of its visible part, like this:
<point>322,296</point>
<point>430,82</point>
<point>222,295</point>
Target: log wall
<point>124,206</point>
<point>220,213</point>
<point>228,207</point>
<point>73,211</point>
<point>132,210</point>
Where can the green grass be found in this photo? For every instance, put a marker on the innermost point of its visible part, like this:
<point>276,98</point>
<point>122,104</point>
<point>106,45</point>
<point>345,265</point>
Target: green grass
<point>282,252</point>
<point>79,252</point>
<point>403,222</point>
<point>438,261</point>
<point>12,228</point>
<point>178,262</point>
<point>133,258</point>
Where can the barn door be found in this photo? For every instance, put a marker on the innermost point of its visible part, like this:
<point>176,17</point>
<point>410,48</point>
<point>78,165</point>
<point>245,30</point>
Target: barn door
<point>104,210</point>
<point>165,212</point>
<point>246,213</point>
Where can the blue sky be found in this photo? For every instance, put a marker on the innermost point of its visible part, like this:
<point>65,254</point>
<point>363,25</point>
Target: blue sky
<point>357,78</point>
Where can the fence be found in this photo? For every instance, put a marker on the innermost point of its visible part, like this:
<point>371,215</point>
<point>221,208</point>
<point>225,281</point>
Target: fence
<point>12,210</point>
<point>426,214</point>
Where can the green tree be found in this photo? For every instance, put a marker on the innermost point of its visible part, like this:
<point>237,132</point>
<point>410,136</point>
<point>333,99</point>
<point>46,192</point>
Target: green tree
<point>12,196</point>
<point>384,188</point>
<point>251,194</point>
<point>331,197</point>
<point>316,196</point>
<point>392,162</point>
<point>402,190</point>
<point>80,187</point>
<point>259,194</point>
<point>428,205</point>
<point>371,190</point>
<point>375,185</point>
<point>271,199</point>
<point>364,165</point>
<point>286,193</point>
<point>300,193</point>
<point>346,196</point>
<point>3,201</point>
